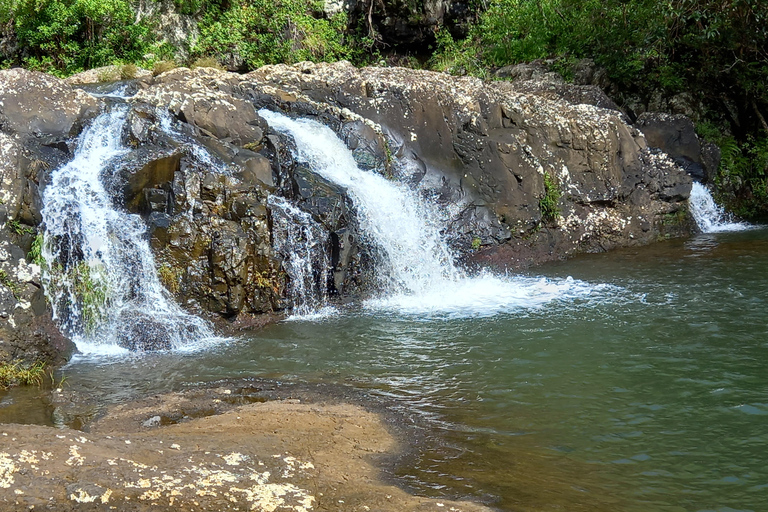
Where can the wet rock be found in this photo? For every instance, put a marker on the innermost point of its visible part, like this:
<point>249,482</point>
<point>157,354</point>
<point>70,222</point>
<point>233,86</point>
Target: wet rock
<point>676,136</point>
<point>484,148</point>
<point>139,331</point>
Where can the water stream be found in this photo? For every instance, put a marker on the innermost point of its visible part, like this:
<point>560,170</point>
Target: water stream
<point>101,278</point>
<point>414,265</point>
<point>709,216</point>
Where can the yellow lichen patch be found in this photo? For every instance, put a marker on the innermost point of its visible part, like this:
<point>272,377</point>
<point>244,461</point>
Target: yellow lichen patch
<point>234,459</point>
<point>82,497</point>
<point>105,497</point>
<point>75,458</point>
<point>268,497</point>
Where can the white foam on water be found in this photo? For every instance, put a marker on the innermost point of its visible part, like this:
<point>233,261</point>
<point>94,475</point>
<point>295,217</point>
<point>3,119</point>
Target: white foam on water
<point>414,264</point>
<point>710,217</point>
<point>303,243</point>
<point>488,295</point>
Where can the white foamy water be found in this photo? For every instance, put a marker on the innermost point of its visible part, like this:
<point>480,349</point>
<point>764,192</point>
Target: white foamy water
<point>101,279</point>
<point>413,262</point>
<point>710,217</point>
<point>302,242</point>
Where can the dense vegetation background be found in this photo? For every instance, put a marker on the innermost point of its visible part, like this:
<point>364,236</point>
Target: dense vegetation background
<point>711,53</point>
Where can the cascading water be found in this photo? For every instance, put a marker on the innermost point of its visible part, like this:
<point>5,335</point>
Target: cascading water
<point>302,242</point>
<point>414,264</point>
<point>101,279</point>
<point>710,217</point>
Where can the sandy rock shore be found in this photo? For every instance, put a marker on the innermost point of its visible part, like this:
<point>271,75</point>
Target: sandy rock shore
<point>273,456</point>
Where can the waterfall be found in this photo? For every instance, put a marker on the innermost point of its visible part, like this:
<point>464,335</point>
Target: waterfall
<point>302,242</point>
<point>100,275</point>
<point>414,265</point>
<point>710,217</point>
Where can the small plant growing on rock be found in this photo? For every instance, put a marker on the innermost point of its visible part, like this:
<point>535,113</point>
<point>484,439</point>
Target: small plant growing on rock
<point>476,243</point>
<point>35,254</point>
<point>169,278</point>
<point>16,374</point>
<point>162,66</point>
<point>128,71</point>
<point>18,228</point>
<point>548,204</point>
<point>207,62</point>
<point>6,281</point>
<point>109,74</point>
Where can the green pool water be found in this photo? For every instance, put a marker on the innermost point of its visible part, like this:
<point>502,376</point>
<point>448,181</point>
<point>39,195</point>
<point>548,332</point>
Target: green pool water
<point>650,394</point>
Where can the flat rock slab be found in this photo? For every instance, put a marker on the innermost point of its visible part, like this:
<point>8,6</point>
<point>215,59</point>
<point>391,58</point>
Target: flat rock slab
<point>271,456</point>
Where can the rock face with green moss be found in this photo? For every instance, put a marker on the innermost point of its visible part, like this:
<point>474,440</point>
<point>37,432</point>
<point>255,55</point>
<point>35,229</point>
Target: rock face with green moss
<point>525,176</point>
<point>38,116</point>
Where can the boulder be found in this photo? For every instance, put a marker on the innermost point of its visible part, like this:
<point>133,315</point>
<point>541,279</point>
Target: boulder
<point>675,134</point>
<point>39,104</point>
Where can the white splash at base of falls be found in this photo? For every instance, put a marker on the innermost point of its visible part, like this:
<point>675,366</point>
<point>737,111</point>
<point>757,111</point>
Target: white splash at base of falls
<point>101,278</point>
<point>413,262</point>
<point>710,217</point>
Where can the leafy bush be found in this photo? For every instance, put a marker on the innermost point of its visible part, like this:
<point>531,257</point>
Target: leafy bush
<point>67,36</point>
<point>262,32</point>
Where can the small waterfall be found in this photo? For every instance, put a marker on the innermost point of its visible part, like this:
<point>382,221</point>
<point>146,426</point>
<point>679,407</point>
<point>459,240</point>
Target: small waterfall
<point>413,256</point>
<point>710,217</point>
<point>100,278</point>
<point>414,264</point>
<point>302,242</point>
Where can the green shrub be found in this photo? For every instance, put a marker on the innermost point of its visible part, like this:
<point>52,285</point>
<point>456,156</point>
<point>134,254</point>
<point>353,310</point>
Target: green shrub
<point>270,32</point>
<point>548,204</point>
<point>68,36</point>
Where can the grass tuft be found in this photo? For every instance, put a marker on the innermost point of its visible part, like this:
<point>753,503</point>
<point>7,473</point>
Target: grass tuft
<point>17,374</point>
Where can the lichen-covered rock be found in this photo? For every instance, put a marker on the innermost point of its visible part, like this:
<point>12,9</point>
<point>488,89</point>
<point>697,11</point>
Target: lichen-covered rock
<point>487,148</point>
<point>42,105</point>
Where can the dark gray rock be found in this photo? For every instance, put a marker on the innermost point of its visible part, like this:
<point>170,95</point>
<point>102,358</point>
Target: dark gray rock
<point>39,104</point>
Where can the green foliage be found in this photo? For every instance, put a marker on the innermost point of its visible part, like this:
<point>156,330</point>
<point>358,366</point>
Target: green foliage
<point>6,281</point>
<point>16,374</point>
<point>476,243</point>
<point>18,228</point>
<point>548,204</point>
<point>35,254</point>
<point>66,36</point>
<point>270,32</point>
<point>743,174</point>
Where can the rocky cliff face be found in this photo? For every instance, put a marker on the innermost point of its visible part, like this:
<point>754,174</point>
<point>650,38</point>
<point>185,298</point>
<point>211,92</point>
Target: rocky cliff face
<point>524,175</point>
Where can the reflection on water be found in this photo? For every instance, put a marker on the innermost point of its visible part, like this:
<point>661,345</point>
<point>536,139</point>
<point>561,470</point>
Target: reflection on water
<point>654,398</point>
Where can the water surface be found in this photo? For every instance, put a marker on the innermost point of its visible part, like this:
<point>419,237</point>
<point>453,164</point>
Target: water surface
<point>648,393</point>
